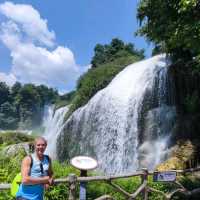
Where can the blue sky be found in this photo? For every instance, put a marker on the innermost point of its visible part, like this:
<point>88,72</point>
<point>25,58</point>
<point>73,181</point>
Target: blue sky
<point>52,42</point>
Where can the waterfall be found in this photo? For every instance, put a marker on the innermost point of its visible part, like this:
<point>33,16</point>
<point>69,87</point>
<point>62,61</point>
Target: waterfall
<point>126,125</point>
<point>53,124</point>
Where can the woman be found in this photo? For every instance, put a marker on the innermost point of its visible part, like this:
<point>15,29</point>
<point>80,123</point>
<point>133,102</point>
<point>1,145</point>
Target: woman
<point>36,171</point>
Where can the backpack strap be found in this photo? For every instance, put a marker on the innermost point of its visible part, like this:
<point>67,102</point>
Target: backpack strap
<point>31,164</point>
<point>47,157</point>
<point>31,161</point>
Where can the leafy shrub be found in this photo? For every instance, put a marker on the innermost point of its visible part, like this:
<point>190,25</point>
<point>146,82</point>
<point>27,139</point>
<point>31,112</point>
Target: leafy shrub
<point>10,137</point>
<point>9,167</point>
<point>96,189</point>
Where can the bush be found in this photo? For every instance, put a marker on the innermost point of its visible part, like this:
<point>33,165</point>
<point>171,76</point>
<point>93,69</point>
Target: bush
<point>10,137</point>
<point>9,167</point>
<point>98,78</point>
<point>97,189</point>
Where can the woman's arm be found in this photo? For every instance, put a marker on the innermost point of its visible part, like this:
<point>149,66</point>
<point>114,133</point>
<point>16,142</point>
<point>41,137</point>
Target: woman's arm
<point>50,172</point>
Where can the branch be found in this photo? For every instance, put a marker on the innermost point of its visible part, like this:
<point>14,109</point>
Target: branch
<point>140,189</point>
<point>105,197</point>
<point>157,191</point>
<point>119,189</point>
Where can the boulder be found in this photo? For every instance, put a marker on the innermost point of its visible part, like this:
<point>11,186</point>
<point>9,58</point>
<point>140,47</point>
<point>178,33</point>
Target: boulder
<point>182,153</point>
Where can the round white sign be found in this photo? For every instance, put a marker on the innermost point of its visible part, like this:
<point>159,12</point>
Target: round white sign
<point>83,162</point>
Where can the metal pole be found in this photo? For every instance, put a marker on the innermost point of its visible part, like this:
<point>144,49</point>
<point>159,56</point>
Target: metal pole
<point>82,193</point>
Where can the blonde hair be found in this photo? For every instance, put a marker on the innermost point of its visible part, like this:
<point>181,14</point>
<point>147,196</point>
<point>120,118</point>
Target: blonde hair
<point>40,138</point>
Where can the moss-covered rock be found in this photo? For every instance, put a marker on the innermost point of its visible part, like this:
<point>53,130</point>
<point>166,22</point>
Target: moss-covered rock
<point>14,149</point>
<point>181,154</point>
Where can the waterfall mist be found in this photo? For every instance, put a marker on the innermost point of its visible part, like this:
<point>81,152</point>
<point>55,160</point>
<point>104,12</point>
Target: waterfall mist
<point>126,125</point>
<point>53,123</point>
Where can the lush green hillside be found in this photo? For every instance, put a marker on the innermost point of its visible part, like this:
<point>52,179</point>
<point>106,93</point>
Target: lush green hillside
<point>107,62</point>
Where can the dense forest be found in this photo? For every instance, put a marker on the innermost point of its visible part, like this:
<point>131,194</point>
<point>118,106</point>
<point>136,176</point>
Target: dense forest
<point>22,106</point>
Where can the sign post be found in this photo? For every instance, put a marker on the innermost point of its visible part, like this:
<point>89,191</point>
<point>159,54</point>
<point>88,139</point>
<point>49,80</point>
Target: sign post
<point>83,163</point>
<point>167,176</point>
<point>83,185</point>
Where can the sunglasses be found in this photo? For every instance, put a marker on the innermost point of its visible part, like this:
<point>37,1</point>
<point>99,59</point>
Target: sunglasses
<point>41,168</point>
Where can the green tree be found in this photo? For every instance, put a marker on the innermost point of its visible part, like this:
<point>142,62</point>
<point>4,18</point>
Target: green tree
<point>172,24</point>
<point>47,95</point>
<point>29,105</point>
<point>23,105</point>
<point>99,56</point>
<point>16,88</point>
<point>116,49</point>
<point>8,118</point>
<point>4,92</point>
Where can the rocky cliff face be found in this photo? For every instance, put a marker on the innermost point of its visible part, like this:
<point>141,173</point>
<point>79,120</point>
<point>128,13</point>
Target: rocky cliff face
<point>187,99</point>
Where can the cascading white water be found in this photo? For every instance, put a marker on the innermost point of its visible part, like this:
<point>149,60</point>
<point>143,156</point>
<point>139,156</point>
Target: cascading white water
<point>53,124</point>
<point>114,124</point>
<point>157,131</point>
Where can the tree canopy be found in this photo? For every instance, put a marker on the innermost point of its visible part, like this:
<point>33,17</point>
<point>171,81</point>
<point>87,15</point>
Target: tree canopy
<point>108,60</point>
<point>173,25</point>
<point>22,106</point>
<point>116,49</point>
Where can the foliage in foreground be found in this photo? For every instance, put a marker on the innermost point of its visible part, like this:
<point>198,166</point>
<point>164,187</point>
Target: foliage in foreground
<point>10,166</point>
<point>94,189</point>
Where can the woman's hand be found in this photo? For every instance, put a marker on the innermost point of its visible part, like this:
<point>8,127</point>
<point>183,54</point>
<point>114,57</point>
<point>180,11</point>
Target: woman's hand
<point>51,181</point>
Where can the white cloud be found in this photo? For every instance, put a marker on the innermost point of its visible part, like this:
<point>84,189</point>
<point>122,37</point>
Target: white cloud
<point>62,92</point>
<point>40,66</point>
<point>22,33</point>
<point>10,79</point>
<point>29,19</point>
